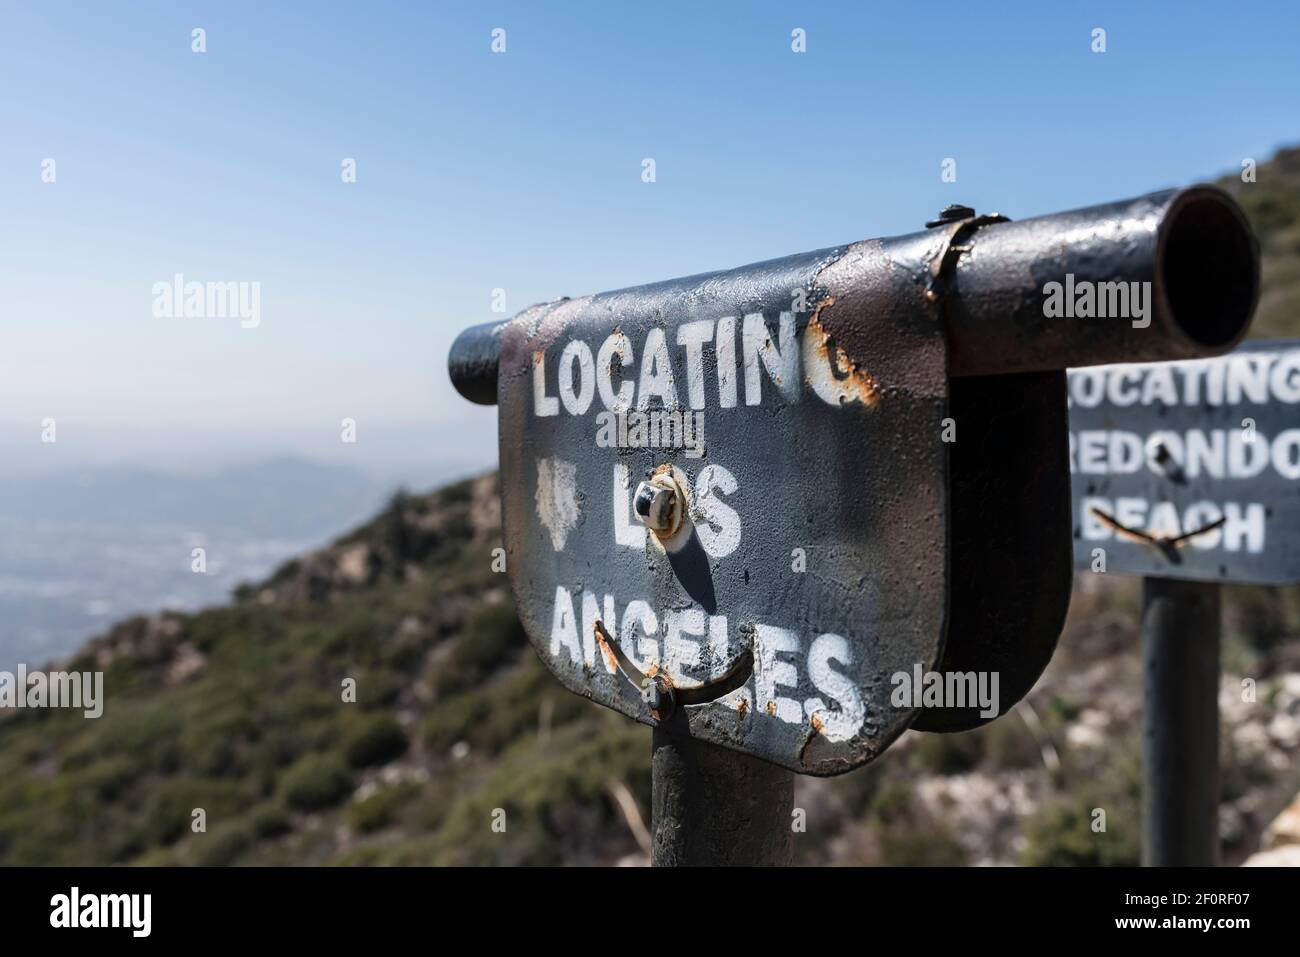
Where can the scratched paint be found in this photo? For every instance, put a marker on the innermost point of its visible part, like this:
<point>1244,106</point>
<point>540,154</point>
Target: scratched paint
<point>1189,469</point>
<point>823,382</point>
<point>557,498</point>
<point>786,464</point>
<point>764,359</point>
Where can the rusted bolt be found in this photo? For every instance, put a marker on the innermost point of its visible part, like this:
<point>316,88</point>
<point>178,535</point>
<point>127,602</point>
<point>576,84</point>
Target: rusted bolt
<point>951,214</point>
<point>658,697</point>
<point>658,504</point>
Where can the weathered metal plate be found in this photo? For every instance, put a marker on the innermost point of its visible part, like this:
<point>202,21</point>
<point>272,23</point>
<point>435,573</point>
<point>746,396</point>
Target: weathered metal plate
<point>1012,567</point>
<point>1230,433</point>
<point>818,510</point>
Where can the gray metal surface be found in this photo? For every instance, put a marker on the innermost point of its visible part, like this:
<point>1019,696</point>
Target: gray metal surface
<point>857,483</point>
<point>1230,432</point>
<point>1180,723</point>
<point>711,806</point>
<point>825,510</point>
<point>1012,564</point>
<point>1192,246</point>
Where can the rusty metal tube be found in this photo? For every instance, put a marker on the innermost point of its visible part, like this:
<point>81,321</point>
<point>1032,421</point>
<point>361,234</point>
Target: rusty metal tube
<point>1191,249</point>
<point>1176,274</point>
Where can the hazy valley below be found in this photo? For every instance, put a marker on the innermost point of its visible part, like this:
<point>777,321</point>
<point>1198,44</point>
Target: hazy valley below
<point>82,549</point>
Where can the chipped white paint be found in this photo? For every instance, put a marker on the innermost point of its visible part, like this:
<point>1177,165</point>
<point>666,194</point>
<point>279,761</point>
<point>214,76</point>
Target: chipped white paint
<point>726,353</point>
<point>785,359</point>
<point>681,651</point>
<point>644,651</point>
<point>564,627</point>
<point>627,530</point>
<point>718,525</point>
<point>616,345</point>
<point>693,648</point>
<point>557,498</point>
<point>830,373</point>
<point>657,380</point>
<point>694,335</point>
<point>841,724</point>
<point>543,404</point>
<point>781,362</point>
<point>774,671</point>
<point>608,619</point>
<point>577,351</point>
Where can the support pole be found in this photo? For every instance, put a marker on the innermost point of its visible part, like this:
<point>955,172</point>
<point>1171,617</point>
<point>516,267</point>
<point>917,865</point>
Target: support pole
<point>711,806</point>
<point>1180,723</point>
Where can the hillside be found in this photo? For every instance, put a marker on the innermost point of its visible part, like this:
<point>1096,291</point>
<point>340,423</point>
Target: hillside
<point>239,711</point>
<point>1272,203</point>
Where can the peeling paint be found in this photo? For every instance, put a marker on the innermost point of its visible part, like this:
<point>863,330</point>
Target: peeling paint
<point>557,498</point>
<point>828,369</point>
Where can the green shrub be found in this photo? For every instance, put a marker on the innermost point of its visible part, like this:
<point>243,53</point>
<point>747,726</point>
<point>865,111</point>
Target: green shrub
<point>1061,835</point>
<point>316,782</point>
<point>491,639</point>
<point>376,740</point>
<point>892,801</point>
<point>111,778</point>
<point>379,809</point>
<point>223,845</point>
<point>920,847</point>
<point>949,753</point>
<point>1062,832</point>
<point>169,812</point>
<point>492,636</point>
<point>454,721</point>
<point>269,820</point>
<point>1008,744</point>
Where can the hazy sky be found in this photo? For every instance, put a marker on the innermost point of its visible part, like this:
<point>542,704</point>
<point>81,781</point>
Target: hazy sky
<point>522,170</point>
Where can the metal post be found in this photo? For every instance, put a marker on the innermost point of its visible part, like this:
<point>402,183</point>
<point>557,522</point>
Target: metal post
<point>1180,723</point>
<point>711,806</point>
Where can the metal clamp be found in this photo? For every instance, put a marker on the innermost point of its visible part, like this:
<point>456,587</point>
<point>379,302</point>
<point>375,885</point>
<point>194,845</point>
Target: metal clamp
<point>656,689</point>
<point>954,244</point>
<point>1166,545</point>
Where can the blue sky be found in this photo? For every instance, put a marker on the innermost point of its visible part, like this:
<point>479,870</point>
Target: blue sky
<point>522,171</point>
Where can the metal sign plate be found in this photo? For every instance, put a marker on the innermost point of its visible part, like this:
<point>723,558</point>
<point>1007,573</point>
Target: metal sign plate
<point>813,555</point>
<point>1189,469</point>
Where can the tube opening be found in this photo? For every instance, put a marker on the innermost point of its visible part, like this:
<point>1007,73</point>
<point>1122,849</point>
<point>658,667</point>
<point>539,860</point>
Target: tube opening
<point>1209,268</point>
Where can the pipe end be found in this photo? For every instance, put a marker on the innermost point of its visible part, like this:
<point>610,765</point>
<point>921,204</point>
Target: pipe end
<point>1207,268</point>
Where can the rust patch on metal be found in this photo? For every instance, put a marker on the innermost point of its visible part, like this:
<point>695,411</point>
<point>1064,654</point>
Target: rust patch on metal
<point>871,304</point>
<point>815,730</point>
<point>831,371</point>
<point>598,630</point>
